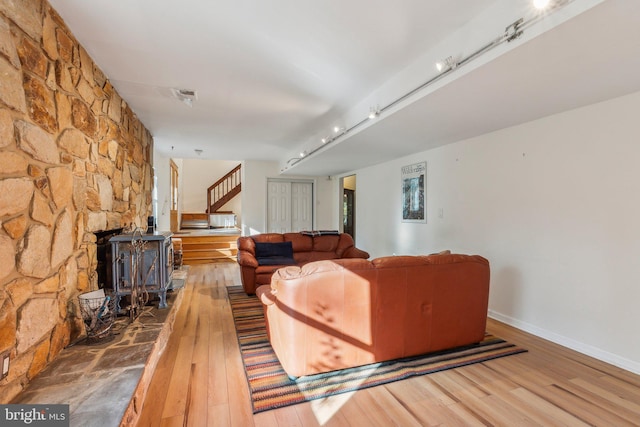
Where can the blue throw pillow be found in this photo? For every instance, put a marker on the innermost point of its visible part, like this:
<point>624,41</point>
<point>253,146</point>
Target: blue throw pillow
<point>276,260</point>
<point>279,253</point>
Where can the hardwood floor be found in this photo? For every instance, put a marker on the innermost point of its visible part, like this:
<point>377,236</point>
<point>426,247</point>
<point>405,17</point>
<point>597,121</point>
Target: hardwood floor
<point>200,381</point>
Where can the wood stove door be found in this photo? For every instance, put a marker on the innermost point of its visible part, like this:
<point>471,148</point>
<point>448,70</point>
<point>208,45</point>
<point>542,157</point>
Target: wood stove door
<point>149,273</point>
<point>151,267</point>
<point>122,267</point>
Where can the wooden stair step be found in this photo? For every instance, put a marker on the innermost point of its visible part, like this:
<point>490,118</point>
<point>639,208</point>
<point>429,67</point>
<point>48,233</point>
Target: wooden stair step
<point>213,245</point>
<point>206,239</point>
<point>209,253</point>
<point>207,261</point>
<point>199,249</point>
<point>195,225</point>
<point>202,260</point>
<point>194,216</point>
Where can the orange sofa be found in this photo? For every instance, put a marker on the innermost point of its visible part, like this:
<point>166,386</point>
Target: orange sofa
<point>330,315</point>
<point>305,246</point>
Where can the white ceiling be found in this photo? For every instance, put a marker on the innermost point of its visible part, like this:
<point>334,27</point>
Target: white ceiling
<point>271,74</point>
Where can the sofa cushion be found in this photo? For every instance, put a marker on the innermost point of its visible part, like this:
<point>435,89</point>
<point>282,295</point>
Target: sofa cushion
<point>328,243</point>
<point>276,260</point>
<point>277,253</point>
<point>300,242</point>
<point>267,238</point>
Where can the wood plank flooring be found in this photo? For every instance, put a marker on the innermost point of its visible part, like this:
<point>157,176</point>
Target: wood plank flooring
<point>200,381</point>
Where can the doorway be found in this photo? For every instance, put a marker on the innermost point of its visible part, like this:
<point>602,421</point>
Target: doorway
<point>289,205</point>
<point>173,210</point>
<point>349,205</point>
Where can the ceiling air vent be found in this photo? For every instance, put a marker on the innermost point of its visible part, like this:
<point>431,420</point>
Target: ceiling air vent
<point>185,95</point>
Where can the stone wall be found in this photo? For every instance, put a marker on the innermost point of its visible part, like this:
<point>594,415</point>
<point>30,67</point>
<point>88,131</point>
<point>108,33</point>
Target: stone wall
<point>74,159</point>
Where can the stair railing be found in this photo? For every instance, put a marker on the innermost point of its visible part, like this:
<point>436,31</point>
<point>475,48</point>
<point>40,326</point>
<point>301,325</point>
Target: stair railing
<point>223,190</point>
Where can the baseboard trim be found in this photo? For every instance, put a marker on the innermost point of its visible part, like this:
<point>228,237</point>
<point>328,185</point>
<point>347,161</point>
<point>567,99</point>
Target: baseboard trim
<point>595,352</point>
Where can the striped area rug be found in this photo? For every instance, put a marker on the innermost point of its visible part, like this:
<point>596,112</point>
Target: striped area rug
<point>271,388</point>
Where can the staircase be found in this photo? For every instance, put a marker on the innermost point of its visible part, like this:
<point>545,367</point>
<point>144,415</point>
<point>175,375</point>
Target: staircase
<point>204,245</point>
<point>223,190</point>
<point>206,249</point>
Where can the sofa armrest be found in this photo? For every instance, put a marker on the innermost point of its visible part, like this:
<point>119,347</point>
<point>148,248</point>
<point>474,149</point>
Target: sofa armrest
<point>247,259</point>
<point>246,252</point>
<point>354,252</point>
<point>266,295</point>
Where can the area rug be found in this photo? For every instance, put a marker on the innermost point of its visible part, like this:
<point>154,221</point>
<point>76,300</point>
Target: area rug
<point>271,388</point>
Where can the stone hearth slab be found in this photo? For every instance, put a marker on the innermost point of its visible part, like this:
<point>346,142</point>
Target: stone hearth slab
<point>100,381</point>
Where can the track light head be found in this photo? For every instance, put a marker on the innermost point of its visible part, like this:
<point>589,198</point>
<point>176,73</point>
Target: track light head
<point>541,4</point>
<point>446,64</point>
<point>374,112</point>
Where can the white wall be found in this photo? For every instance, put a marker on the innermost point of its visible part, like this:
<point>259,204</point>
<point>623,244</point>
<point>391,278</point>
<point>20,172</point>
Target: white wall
<point>162,173</point>
<point>553,204</point>
<point>197,175</point>
<point>252,201</point>
<point>254,197</point>
<point>327,206</point>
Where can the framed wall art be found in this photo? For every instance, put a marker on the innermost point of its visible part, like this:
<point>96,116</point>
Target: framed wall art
<point>414,183</point>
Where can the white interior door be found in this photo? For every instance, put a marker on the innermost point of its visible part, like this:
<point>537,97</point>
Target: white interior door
<point>279,207</point>
<point>301,206</point>
<point>289,206</point>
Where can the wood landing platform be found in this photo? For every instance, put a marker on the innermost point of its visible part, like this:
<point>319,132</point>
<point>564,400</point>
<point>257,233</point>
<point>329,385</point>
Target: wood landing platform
<point>206,246</point>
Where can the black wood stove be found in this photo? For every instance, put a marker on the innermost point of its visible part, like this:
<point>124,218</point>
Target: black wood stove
<point>149,265</point>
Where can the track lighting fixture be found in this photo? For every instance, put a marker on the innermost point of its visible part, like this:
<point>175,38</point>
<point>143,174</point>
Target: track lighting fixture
<point>541,4</point>
<point>446,64</point>
<point>374,112</point>
<point>511,32</point>
<point>514,31</point>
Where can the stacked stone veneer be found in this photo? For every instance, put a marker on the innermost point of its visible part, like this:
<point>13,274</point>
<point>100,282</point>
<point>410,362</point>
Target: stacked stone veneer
<point>74,159</point>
